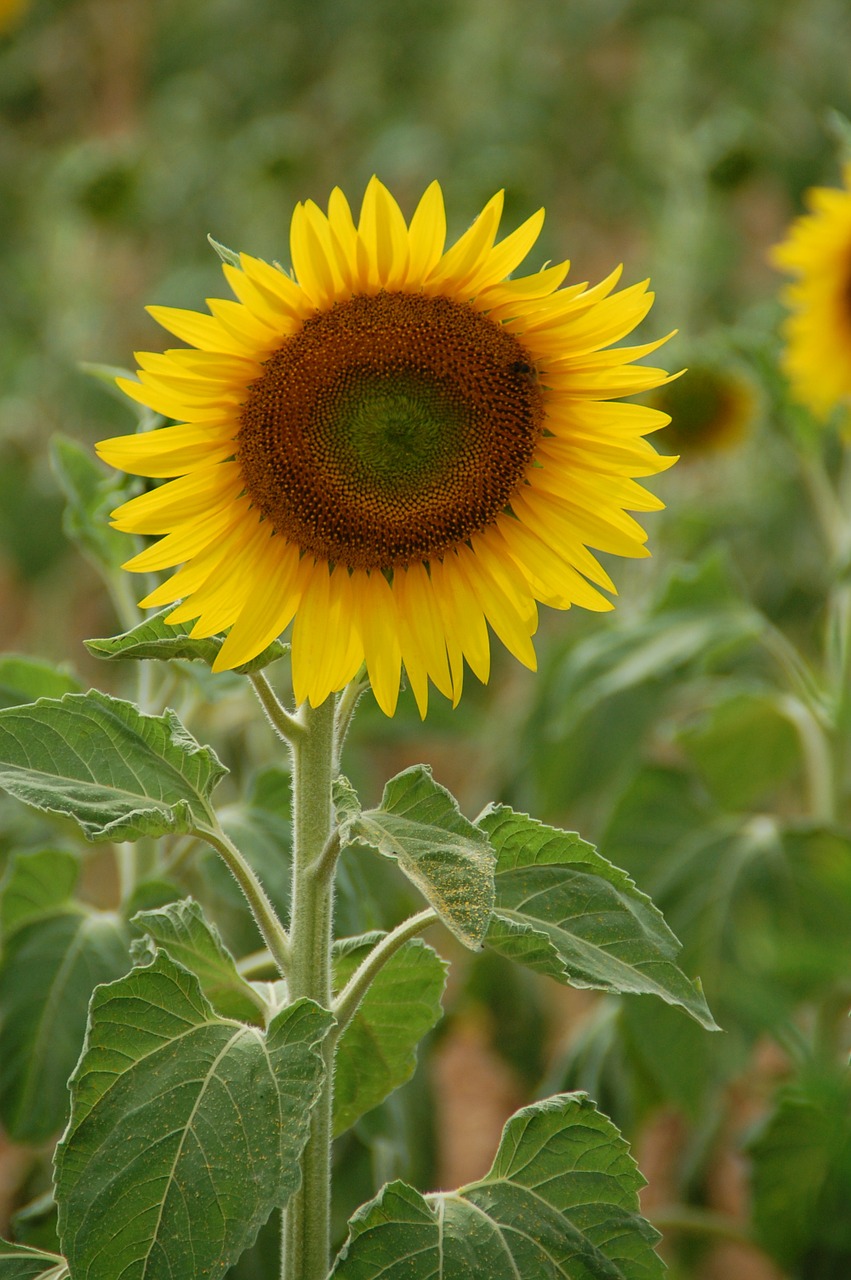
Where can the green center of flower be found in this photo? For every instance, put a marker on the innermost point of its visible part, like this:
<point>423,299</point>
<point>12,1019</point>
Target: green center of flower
<point>390,429</point>
<point>396,433</point>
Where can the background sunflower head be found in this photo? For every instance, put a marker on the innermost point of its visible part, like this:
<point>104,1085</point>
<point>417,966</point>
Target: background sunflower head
<point>817,254</point>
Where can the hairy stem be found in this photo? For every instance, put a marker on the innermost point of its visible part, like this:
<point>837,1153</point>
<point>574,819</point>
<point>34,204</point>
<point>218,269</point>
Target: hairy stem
<point>287,725</point>
<point>307,1227</point>
<point>346,1005</point>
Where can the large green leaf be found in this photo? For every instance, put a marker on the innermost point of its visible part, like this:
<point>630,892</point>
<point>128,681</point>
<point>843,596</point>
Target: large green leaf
<point>24,679</point>
<point>181,930</point>
<point>377,1051</point>
<point>563,910</point>
<point>802,1178</point>
<point>420,825</point>
<point>560,1201</point>
<point>55,951</point>
<point>19,1262</point>
<point>186,1128</point>
<point>154,638</point>
<point>98,760</point>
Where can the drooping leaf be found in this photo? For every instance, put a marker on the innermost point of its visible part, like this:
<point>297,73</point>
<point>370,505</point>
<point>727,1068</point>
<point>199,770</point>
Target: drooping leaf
<point>561,1201</point>
<point>802,1178</point>
<point>118,773</point>
<point>377,1051</point>
<point>419,824</point>
<point>24,679</point>
<point>55,951</point>
<point>154,638</point>
<point>565,911</point>
<point>20,1262</point>
<point>182,932</point>
<point>186,1128</point>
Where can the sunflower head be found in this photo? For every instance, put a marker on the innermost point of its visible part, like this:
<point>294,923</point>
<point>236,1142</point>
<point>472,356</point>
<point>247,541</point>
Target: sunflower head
<point>817,332</point>
<point>711,408</point>
<point>392,448</point>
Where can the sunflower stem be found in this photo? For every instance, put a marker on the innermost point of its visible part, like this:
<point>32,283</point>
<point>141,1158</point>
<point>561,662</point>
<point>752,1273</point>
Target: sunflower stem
<point>288,726</point>
<point>346,1005</point>
<point>307,1226</point>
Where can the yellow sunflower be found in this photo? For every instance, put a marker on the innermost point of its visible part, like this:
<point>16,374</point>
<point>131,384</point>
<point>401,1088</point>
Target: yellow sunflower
<point>391,448</point>
<point>817,250</point>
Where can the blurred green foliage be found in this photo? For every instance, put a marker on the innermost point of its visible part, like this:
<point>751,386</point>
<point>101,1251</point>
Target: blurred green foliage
<point>702,733</point>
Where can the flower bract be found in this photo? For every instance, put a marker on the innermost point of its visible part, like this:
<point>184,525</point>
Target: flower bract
<point>817,252</point>
<point>392,449</point>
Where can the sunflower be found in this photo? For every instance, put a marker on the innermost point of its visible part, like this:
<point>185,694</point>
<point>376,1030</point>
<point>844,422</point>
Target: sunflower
<point>391,448</point>
<point>817,250</point>
<point>711,409</point>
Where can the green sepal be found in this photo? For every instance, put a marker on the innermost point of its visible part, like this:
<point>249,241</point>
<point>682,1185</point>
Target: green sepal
<point>227,255</point>
<point>155,639</point>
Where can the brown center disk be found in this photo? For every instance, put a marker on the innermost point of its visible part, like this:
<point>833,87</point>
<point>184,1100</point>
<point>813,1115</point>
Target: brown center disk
<point>389,429</point>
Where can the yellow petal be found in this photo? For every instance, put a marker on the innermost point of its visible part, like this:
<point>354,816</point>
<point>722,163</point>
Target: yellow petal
<point>269,609</point>
<point>179,501</point>
<point>506,255</point>
<point>463,619</point>
<point>379,633</point>
<point>427,234</point>
<point>169,451</point>
<point>466,255</point>
<point>417,606</point>
<point>185,543</point>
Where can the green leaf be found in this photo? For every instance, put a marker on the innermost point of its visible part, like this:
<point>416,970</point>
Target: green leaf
<point>377,1051</point>
<point>186,1129</point>
<point>55,952</point>
<point>743,748</point>
<point>154,638</point>
<point>35,885</point>
<point>802,1178</point>
<point>181,930</point>
<point>561,1201</point>
<point>119,774</point>
<point>91,493</point>
<point>564,911</point>
<point>19,1262</point>
<point>420,825</point>
<point>24,679</point>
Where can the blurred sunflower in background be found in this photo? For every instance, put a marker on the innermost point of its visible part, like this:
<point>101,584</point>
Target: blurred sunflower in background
<point>817,251</point>
<point>10,12</point>
<point>711,408</point>
<point>392,448</point>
